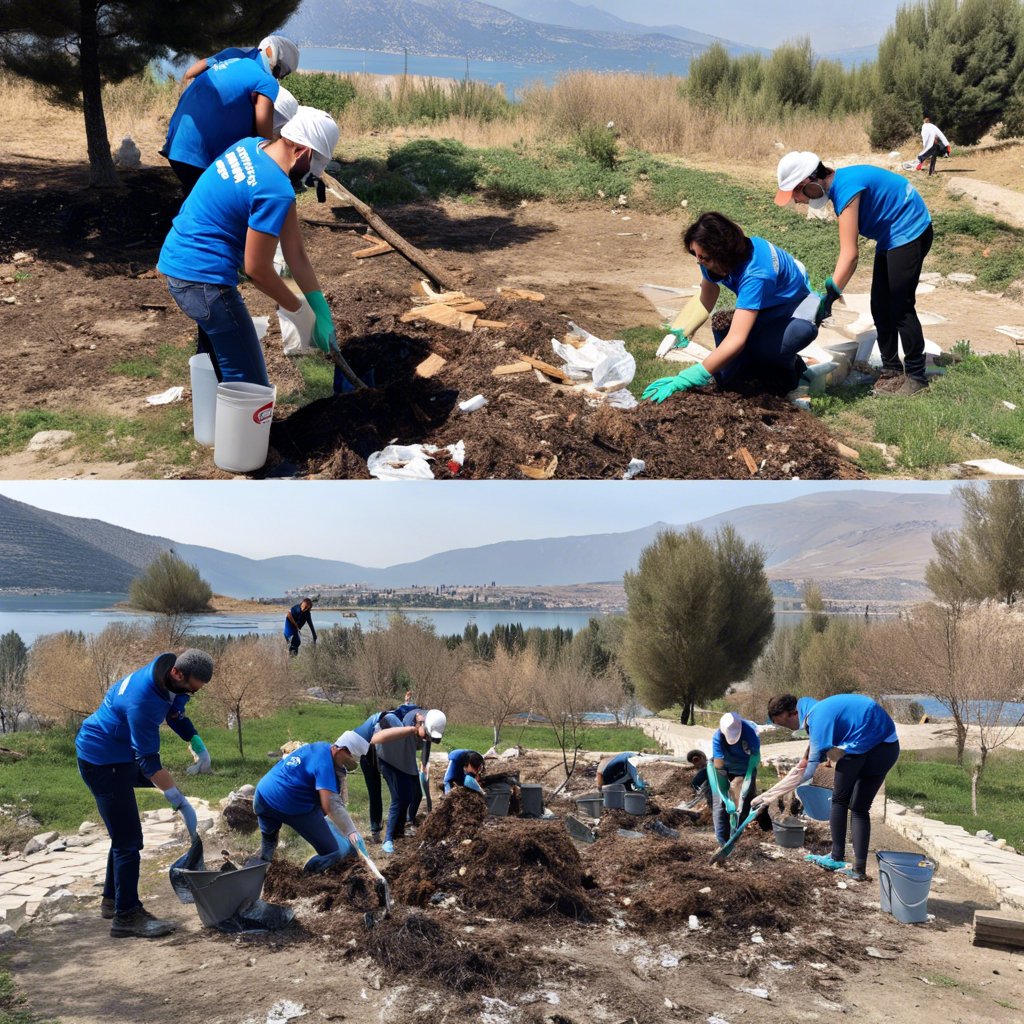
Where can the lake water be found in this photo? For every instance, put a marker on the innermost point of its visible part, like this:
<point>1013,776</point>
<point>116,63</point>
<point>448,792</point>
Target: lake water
<point>1011,712</point>
<point>32,616</point>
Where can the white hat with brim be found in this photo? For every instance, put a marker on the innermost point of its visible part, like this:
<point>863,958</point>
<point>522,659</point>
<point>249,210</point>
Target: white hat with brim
<point>284,55</point>
<point>286,106</point>
<point>353,743</point>
<point>316,129</point>
<point>732,727</point>
<point>793,168</point>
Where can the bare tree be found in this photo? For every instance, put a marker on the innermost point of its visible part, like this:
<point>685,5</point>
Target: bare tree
<point>426,664</point>
<point>13,667</point>
<point>496,690</point>
<point>564,695</point>
<point>375,668</point>
<point>59,683</point>
<point>252,680</point>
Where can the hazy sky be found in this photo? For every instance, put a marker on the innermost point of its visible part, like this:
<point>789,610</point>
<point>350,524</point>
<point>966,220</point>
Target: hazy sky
<point>379,524</point>
<point>835,26</point>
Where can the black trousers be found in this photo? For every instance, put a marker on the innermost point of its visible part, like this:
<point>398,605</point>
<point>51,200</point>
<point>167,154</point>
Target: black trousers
<point>371,774</point>
<point>858,780</point>
<point>893,304</point>
<point>936,150</point>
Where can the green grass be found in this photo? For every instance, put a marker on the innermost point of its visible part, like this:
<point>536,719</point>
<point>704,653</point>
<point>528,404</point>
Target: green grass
<point>169,361</point>
<point>46,781</point>
<point>13,1006</point>
<point>317,381</point>
<point>933,429</point>
<point>962,239</point>
<point>933,780</point>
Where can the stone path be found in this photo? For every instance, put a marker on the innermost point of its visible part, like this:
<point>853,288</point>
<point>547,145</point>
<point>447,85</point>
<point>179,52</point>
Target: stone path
<point>61,869</point>
<point>991,863</point>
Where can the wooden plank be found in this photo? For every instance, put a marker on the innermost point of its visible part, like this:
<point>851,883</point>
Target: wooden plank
<point>430,365</point>
<point>998,928</point>
<point>496,324</point>
<point>540,472</point>
<point>748,459</point>
<point>374,250</point>
<point>436,312</point>
<point>521,367</point>
<point>468,306</point>
<point>337,225</point>
<point>546,368</point>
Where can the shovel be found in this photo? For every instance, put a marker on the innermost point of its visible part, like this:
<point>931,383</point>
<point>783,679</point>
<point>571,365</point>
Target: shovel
<point>341,363</point>
<point>727,847</point>
<point>369,918</point>
<point>425,776</point>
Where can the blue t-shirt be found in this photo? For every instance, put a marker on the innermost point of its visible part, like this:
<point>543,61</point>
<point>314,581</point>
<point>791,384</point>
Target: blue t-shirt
<point>178,720</point>
<point>769,277</point>
<point>850,721</point>
<point>301,619</point>
<point>456,774</point>
<point>891,212</point>
<point>126,726</point>
<point>290,787</point>
<point>243,188</point>
<point>803,709</point>
<point>369,727</point>
<point>736,755</point>
<point>233,52</point>
<point>217,110</point>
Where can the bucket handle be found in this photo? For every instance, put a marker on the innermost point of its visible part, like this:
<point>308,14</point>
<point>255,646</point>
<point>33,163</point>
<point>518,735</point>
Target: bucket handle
<point>884,879</point>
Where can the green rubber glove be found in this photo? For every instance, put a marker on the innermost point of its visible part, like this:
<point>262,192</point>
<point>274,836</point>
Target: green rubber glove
<point>323,329</point>
<point>694,376</point>
<point>197,744</point>
<point>680,335</point>
<point>832,292</point>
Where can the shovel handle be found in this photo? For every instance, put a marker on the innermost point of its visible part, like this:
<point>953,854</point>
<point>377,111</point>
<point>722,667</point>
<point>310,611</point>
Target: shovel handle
<point>342,364</point>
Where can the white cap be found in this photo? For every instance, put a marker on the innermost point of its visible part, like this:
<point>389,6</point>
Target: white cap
<point>793,168</point>
<point>286,106</point>
<point>283,57</point>
<point>435,723</point>
<point>316,129</point>
<point>353,743</point>
<point>732,726</point>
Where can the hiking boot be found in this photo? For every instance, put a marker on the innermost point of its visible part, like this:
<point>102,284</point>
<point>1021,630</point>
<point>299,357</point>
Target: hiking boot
<point>912,386</point>
<point>857,874</point>
<point>107,908</point>
<point>140,924</point>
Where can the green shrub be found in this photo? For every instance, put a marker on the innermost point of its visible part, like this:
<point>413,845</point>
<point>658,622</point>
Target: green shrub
<point>323,90</point>
<point>598,144</point>
<point>891,123</point>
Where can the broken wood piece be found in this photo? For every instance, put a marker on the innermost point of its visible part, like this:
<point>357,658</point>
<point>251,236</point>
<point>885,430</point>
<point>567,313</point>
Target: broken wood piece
<point>546,368</point>
<point>337,225</point>
<point>439,313</point>
<point>540,472</point>
<point>846,451</point>
<point>374,250</point>
<point>521,367</point>
<point>430,365</point>
<point>540,417</point>
<point>496,324</point>
<point>998,928</point>
<point>468,305</point>
<point>748,459</point>
<point>521,293</point>
<point>574,340</point>
<point>429,296</point>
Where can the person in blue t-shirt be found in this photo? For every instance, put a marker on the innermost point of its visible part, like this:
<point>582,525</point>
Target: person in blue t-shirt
<point>118,750</point>
<point>232,101</point>
<point>886,208</point>
<point>773,320</point>
<point>303,790</point>
<point>735,753</point>
<point>464,768</point>
<point>299,615</point>
<point>620,770</point>
<point>242,204</point>
<point>857,734</point>
<point>277,54</point>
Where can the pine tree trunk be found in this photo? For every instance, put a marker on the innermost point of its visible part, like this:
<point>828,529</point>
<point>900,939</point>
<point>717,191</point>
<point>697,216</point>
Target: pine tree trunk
<point>101,163</point>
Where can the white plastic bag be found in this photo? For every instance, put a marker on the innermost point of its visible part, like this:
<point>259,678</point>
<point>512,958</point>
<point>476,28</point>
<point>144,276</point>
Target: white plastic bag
<point>605,362</point>
<point>297,329</point>
<point>402,462</point>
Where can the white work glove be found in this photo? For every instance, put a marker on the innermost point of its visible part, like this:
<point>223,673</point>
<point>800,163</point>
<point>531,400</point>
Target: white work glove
<point>201,765</point>
<point>782,787</point>
<point>180,803</point>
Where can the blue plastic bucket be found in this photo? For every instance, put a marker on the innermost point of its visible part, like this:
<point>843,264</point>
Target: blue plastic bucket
<point>904,879</point>
<point>817,801</point>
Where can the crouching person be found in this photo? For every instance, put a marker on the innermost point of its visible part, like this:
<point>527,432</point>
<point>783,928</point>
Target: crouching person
<point>620,770</point>
<point>464,768</point>
<point>303,791</point>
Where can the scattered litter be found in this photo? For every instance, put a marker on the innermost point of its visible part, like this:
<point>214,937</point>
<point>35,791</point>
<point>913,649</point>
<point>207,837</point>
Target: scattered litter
<point>1009,405</point>
<point>925,980</point>
<point>840,884</point>
<point>717,1020</point>
<point>284,1011</point>
<point>430,365</point>
<point>166,397</point>
<point>606,363</point>
<point>472,404</point>
<point>706,889</point>
<point>818,967</point>
<point>994,467</point>
<point>781,965</point>
<point>670,961</point>
<point>872,951</point>
<point>694,923</point>
<point>760,993</point>
<point>22,257</point>
<point>412,461</point>
<point>635,467</point>
<point>757,938</point>
<point>669,342</point>
<point>545,472</point>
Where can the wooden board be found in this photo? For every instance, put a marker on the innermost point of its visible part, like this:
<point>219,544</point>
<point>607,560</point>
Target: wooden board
<point>496,324</point>
<point>546,368</point>
<point>521,367</point>
<point>521,293</point>
<point>430,365</point>
<point>374,250</point>
<point>540,472</point>
<point>998,928</point>
<point>749,460</point>
<point>439,313</point>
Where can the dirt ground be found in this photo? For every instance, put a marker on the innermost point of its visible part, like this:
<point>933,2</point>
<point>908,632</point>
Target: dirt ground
<point>510,920</point>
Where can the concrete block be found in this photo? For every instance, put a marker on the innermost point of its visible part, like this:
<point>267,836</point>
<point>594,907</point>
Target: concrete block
<point>40,842</point>
<point>12,913</point>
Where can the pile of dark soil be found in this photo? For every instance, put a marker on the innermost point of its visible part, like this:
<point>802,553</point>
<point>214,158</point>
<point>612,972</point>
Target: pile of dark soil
<point>347,887</point>
<point>507,868</point>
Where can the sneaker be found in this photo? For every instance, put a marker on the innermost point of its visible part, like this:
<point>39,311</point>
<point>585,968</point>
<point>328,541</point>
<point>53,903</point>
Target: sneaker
<point>140,924</point>
<point>823,860</point>
<point>912,386</point>
<point>107,908</point>
<point>375,837</point>
<point>857,876</point>
<point>387,846</point>
<point>919,167</point>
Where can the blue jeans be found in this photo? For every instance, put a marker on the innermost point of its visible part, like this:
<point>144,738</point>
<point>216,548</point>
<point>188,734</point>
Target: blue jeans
<point>319,831</point>
<point>404,789</point>
<point>113,787</point>
<point>226,331</point>
<point>773,345</point>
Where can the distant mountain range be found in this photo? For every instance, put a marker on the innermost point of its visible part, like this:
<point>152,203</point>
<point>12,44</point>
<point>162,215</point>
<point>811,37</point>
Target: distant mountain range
<point>856,544</point>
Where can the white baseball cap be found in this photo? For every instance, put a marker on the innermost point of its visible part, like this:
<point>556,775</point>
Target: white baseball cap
<point>286,106</point>
<point>283,58</point>
<point>793,168</point>
<point>353,743</point>
<point>732,726</point>
<point>316,129</point>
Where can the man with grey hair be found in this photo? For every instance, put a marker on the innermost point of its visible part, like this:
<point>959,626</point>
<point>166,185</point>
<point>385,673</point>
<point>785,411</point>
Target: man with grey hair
<point>118,748</point>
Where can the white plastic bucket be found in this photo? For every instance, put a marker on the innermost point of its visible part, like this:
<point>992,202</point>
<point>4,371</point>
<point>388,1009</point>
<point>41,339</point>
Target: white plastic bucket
<point>242,434</point>
<point>204,398</point>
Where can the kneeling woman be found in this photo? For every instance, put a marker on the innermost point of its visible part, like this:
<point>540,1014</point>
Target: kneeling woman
<point>774,317</point>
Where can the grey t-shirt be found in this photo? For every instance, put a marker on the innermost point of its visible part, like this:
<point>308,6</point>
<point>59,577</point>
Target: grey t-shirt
<point>400,754</point>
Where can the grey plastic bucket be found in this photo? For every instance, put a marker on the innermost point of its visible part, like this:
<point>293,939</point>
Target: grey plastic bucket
<point>613,795</point>
<point>789,836</point>
<point>634,803</point>
<point>498,798</point>
<point>532,797</point>
<point>219,895</point>
<point>590,805</point>
<point>904,880</point>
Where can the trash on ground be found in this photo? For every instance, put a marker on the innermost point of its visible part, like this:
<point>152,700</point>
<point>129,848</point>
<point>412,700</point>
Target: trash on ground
<point>172,394</point>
